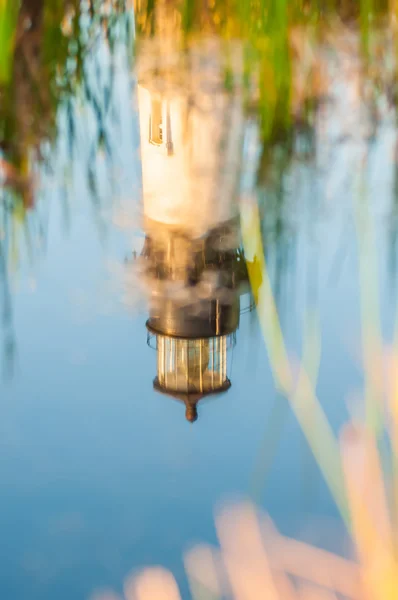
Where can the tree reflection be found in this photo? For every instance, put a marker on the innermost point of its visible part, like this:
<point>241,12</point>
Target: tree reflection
<point>47,66</point>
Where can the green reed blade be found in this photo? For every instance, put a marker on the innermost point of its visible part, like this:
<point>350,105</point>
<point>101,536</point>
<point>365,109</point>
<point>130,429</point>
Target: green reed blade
<point>9,10</point>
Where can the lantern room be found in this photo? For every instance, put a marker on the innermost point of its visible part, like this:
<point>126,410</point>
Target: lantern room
<point>193,366</point>
<point>193,347</point>
<point>190,369</point>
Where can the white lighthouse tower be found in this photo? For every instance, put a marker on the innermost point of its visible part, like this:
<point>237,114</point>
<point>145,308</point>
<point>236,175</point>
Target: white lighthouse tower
<point>191,143</point>
<point>190,152</point>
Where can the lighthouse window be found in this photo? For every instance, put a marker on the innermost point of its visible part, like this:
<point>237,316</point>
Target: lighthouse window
<point>192,365</point>
<point>156,123</point>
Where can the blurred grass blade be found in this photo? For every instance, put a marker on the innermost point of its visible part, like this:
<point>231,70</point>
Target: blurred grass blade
<point>371,526</point>
<point>370,309</point>
<point>300,393</point>
<point>9,10</point>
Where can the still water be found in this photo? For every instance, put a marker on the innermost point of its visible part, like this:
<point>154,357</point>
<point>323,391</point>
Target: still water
<point>112,232</point>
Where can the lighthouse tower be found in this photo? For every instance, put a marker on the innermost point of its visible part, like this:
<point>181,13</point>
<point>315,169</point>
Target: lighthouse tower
<point>191,130</point>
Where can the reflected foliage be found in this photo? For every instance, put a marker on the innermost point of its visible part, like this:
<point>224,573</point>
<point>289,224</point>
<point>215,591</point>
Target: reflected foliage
<point>288,51</point>
<point>45,65</point>
<point>48,45</point>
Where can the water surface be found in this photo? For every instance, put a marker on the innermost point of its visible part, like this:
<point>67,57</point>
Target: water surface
<point>100,473</point>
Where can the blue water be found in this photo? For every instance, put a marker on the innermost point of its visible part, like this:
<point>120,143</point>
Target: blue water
<point>99,474</point>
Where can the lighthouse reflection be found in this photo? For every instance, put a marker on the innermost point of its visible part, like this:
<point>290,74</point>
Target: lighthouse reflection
<point>192,129</point>
<point>195,287</point>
